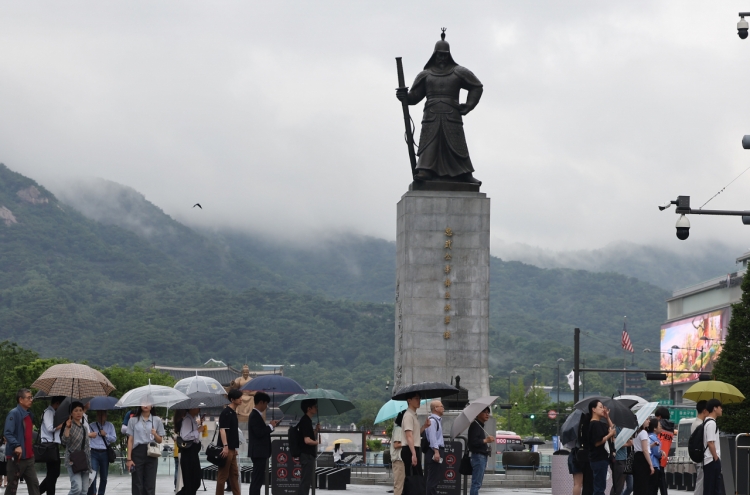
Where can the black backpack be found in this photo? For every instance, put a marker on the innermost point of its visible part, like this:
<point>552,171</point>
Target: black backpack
<point>295,441</point>
<point>424,444</point>
<point>696,449</point>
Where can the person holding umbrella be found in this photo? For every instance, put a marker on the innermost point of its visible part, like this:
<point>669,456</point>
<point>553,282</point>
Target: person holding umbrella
<point>310,443</point>
<point>598,435</point>
<point>259,441</point>
<point>143,428</point>
<point>51,434</point>
<point>104,436</point>
<point>479,448</point>
<point>190,427</point>
<point>76,439</point>
<point>643,469</point>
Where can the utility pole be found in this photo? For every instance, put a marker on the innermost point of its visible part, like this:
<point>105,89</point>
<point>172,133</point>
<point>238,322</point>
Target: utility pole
<point>576,363</point>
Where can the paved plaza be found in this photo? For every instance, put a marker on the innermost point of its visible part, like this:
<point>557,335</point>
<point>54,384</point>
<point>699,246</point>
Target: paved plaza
<point>120,485</point>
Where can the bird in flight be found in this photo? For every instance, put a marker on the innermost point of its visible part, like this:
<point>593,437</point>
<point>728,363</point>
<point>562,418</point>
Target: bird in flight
<point>198,205</point>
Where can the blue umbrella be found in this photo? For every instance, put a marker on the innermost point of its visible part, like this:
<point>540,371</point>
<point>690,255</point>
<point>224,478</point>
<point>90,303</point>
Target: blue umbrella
<point>103,404</point>
<point>391,409</point>
<point>275,384</point>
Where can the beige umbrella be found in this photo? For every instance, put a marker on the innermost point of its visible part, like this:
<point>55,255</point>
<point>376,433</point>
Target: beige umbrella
<point>73,380</point>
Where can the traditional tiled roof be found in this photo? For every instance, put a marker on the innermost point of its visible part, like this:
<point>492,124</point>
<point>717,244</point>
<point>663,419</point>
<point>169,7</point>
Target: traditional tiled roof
<point>224,375</point>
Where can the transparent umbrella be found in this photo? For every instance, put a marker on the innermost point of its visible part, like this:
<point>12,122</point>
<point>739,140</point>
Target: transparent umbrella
<point>151,395</point>
<point>200,384</point>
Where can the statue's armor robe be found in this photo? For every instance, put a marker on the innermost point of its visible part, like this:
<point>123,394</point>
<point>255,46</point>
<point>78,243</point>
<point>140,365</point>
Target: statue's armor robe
<point>442,143</point>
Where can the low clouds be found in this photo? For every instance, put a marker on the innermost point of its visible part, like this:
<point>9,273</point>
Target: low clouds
<point>281,117</point>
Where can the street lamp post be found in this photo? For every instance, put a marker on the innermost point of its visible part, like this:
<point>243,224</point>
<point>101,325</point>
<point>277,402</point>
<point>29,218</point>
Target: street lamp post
<point>557,418</point>
<point>671,356</point>
<point>511,372</point>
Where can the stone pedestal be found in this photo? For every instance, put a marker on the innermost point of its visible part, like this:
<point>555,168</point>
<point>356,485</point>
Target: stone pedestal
<point>442,289</point>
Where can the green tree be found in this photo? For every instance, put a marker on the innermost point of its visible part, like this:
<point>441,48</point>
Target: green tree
<point>733,365</point>
<point>11,355</point>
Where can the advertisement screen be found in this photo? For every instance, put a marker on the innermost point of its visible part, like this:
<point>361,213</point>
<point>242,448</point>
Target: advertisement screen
<point>692,354</point>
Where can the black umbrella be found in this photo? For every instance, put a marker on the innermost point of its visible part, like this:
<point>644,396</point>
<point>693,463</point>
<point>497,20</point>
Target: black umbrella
<point>201,399</point>
<point>619,410</point>
<point>427,390</point>
<point>569,429</point>
<point>533,441</point>
<point>62,414</point>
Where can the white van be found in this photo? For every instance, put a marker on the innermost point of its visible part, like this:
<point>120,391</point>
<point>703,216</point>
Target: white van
<point>683,437</point>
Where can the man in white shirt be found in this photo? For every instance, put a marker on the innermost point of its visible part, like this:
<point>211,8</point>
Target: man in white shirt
<point>51,434</point>
<point>712,454</point>
<point>700,406</point>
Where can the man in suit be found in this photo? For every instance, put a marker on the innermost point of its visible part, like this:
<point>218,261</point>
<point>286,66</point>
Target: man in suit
<point>259,441</point>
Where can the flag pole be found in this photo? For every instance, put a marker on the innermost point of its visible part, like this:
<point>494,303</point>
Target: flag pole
<point>625,359</point>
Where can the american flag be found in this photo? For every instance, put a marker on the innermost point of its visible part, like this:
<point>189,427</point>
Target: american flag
<point>626,344</point>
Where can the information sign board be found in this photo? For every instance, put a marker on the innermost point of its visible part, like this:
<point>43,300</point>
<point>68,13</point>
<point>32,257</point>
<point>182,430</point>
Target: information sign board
<point>450,481</point>
<point>286,471</point>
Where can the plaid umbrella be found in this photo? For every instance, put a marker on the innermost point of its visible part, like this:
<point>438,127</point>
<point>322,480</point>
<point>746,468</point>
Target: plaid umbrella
<point>73,380</point>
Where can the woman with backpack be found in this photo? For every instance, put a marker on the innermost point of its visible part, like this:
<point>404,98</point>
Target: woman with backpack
<point>643,467</point>
<point>143,429</point>
<point>599,433</point>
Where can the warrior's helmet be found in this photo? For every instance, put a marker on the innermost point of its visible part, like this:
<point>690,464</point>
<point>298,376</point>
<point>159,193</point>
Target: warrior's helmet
<point>442,47</point>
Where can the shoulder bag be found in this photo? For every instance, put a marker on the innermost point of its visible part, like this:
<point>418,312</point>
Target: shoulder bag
<point>629,461</point>
<point>182,444</point>
<point>111,454</point>
<point>465,467</point>
<point>45,451</point>
<point>79,461</point>
<point>213,452</point>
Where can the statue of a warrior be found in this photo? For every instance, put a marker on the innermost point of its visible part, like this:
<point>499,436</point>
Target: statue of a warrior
<point>443,154</point>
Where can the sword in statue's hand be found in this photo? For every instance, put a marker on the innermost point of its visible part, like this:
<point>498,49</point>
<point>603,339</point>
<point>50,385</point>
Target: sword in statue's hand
<point>401,93</point>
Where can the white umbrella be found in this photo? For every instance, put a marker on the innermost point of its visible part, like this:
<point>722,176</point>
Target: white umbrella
<point>151,395</point>
<point>641,401</point>
<point>641,416</point>
<point>469,414</point>
<point>200,384</point>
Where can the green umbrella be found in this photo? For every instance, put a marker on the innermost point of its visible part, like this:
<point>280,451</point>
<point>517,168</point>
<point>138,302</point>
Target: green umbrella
<point>330,402</point>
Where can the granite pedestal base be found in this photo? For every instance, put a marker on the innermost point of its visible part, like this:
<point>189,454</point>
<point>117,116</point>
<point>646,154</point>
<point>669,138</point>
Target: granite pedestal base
<point>442,289</point>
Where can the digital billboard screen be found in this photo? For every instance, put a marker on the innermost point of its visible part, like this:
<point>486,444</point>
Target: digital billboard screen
<point>693,354</point>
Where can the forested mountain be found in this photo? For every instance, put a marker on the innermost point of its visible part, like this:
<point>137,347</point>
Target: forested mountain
<point>128,284</point>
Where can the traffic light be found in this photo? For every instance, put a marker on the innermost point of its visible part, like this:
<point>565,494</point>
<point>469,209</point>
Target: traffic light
<point>656,376</point>
<point>529,416</point>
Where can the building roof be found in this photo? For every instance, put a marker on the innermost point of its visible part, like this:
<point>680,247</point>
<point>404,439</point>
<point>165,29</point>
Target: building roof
<point>223,375</point>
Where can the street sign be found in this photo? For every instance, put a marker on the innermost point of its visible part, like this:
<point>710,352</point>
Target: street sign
<point>665,402</point>
<point>552,414</point>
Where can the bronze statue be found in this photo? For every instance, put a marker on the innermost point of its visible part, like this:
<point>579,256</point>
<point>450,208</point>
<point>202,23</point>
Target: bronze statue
<point>443,154</point>
<point>248,401</point>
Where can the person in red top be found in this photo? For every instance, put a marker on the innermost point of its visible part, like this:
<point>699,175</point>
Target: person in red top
<point>665,438</point>
<point>19,451</point>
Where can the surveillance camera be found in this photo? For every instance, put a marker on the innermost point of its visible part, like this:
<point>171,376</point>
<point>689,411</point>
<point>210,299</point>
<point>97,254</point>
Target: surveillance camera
<point>665,206</point>
<point>683,228</point>
<point>742,28</point>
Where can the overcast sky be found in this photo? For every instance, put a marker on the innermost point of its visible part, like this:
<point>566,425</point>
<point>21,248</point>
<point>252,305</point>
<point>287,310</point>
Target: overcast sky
<point>281,116</point>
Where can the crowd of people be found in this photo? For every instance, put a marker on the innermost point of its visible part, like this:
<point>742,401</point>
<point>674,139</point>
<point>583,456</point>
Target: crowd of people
<point>406,446</point>
<point>639,466</point>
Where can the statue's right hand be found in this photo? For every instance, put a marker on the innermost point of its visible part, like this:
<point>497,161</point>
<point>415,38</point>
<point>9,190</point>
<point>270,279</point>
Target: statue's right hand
<point>402,93</point>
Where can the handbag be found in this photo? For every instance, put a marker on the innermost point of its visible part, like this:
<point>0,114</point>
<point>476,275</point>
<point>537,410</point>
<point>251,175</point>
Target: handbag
<point>79,461</point>
<point>213,453</point>
<point>414,485</point>
<point>465,467</point>
<point>182,444</point>
<point>45,451</point>
<point>111,454</point>
<point>629,461</point>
